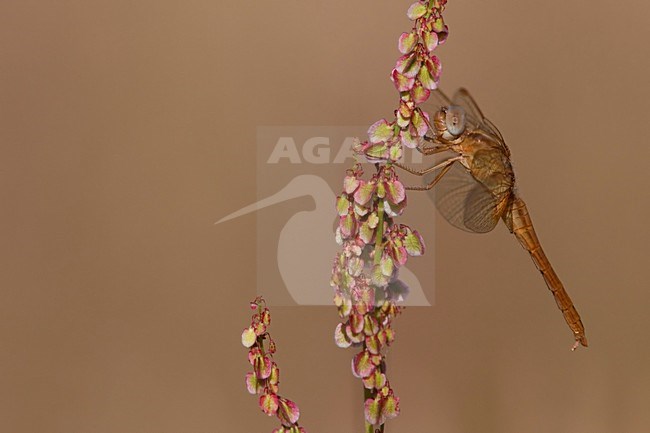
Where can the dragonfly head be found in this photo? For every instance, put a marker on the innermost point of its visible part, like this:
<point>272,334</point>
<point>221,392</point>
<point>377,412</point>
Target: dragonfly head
<point>450,122</point>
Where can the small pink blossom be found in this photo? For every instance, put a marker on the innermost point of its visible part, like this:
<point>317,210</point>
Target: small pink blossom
<point>407,42</point>
<point>269,404</point>
<point>419,93</point>
<point>380,131</point>
<point>416,10</point>
<point>408,65</point>
<point>288,412</point>
<point>402,82</point>
<point>407,139</point>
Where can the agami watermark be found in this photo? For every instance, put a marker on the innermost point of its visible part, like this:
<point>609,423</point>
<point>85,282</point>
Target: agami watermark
<point>298,171</point>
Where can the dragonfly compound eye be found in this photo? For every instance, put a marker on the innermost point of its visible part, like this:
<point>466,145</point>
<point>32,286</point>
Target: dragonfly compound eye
<point>455,120</point>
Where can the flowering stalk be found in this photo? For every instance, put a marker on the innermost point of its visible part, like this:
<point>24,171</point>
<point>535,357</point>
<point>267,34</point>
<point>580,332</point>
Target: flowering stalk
<point>265,377</point>
<point>365,275</point>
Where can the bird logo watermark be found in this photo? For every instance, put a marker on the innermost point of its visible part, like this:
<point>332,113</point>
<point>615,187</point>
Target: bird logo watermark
<point>298,170</point>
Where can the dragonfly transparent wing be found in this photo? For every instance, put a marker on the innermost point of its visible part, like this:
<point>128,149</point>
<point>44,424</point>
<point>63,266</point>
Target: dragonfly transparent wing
<point>437,99</point>
<point>474,116</point>
<point>463,201</point>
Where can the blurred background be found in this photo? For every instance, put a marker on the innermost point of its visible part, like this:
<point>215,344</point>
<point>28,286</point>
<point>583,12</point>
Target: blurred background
<point>128,128</point>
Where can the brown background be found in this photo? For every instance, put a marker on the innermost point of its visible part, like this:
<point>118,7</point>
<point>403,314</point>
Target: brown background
<point>127,128</point>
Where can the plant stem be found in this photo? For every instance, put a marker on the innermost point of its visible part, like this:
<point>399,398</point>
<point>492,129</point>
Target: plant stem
<point>379,237</point>
<point>367,393</point>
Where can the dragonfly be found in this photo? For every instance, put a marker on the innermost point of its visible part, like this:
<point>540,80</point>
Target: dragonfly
<point>475,187</point>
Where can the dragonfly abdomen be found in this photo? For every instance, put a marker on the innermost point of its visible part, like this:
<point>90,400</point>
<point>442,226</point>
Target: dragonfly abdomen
<point>522,227</point>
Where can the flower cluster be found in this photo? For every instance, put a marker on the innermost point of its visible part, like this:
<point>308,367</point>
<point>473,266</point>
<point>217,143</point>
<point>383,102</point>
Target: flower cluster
<point>365,278</point>
<point>415,74</point>
<point>365,275</point>
<point>366,230</point>
<point>265,377</point>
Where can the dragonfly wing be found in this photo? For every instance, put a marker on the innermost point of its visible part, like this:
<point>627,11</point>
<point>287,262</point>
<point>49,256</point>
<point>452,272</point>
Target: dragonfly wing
<point>473,114</point>
<point>463,99</point>
<point>489,126</point>
<point>437,99</point>
<point>480,210</point>
<point>463,201</point>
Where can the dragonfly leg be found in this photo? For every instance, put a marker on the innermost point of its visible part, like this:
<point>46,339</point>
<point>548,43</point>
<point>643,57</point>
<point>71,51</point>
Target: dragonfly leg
<point>414,171</point>
<point>430,139</point>
<point>428,169</point>
<point>432,150</point>
<point>432,183</point>
<point>444,165</point>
